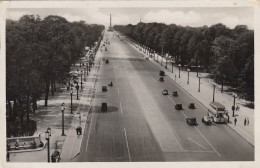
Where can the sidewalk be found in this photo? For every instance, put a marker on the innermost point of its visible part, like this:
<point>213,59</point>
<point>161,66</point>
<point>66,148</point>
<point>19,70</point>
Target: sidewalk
<point>205,96</point>
<point>51,116</point>
<point>72,144</point>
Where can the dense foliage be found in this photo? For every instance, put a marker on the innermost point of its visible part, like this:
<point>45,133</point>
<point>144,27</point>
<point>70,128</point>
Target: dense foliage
<point>227,54</point>
<point>39,53</point>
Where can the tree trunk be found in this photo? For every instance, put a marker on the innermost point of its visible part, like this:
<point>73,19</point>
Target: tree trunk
<point>54,84</point>
<point>52,87</point>
<point>27,105</point>
<point>34,105</point>
<point>10,110</point>
<point>47,88</point>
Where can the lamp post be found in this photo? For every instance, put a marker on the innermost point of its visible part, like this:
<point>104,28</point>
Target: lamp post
<point>179,70</point>
<point>77,87</point>
<point>234,103</point>
<point>71,93</point>
<point>214,86</point>
<point>199,82</point>
<point>47,137</point>
<point>62,111</point>
<point>188,76</point>
<point>172,65</point>
<point>81,78</point>
<point>85,73</point>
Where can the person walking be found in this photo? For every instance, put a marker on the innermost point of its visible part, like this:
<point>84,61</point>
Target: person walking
<point>235,121</point>
<point>245,121</point>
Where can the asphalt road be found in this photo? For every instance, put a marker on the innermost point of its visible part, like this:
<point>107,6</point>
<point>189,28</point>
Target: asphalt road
<point>141,124</point>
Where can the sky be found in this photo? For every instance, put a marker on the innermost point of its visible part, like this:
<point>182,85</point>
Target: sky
<point>188,16</point>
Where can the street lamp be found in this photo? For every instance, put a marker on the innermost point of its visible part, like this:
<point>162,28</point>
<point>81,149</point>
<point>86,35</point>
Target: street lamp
<point>179,70</point>
<point>85,73</point>
<point>47,137</point>
<point>77,87</point>
<point>62,111</point>
<point>188,76</point>
<point>199,82</point>
<point>214,86</point>
<point>81,78</point>
<point>172,65</point>
<point>71,93</point>
<point>234,103</point>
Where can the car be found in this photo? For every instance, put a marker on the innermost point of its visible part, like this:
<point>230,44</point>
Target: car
<point>191,106</point>
<point>178,106</point>
<point>175,93</point>
<point>191,121</point>
<point>104,88</point>
<point>165,92</point>
<point>207,120</point>
<point>161,79</point>
<point>161,73</point>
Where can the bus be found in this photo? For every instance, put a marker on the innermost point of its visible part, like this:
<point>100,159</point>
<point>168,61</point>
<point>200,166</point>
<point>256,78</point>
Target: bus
<point>217,112</point>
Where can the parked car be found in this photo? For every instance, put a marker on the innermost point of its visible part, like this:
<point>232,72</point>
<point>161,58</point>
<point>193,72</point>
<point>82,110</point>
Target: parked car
<point>175,93</point>
<point>191,121</point>
<point>207,120</point>
<point>104,88</point>
<point>191,106</point>
<point>161,73</point>
<point>161,79</point>
<point>165,92</point>
<point>178,106</point>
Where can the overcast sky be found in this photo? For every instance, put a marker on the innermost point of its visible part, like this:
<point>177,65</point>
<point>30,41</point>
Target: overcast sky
<point>230,16</point>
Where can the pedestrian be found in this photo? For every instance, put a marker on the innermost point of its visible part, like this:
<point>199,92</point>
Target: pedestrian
<point>237,108</point>
<point>235,121</point>
<point>245,121</point>
<point>227,118</point>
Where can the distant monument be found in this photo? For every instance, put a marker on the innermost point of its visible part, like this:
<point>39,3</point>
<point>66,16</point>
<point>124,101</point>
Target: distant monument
<point>110,28</point>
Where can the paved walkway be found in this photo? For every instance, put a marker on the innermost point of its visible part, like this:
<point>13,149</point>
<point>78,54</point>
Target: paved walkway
<point>51,117</point>
<point>205,96</point>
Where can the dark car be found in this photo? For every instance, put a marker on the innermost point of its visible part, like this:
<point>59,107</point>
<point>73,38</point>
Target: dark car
<point>161,73</point>
<point>165,92</point>
<point>175,93</point>
<point>207,120</point>
<point>191,106</point>
<point>191,121</point>
<point>178,106</point>
<point>161,79</point>
<point>104,88</point>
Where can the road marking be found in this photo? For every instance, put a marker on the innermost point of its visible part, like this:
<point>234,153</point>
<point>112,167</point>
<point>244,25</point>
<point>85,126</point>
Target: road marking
<point>207,140</point>
<point>197,143</point>
<point>154,80</point>
<point>117,90</point>
<point>127,146</point>
<point>121,107</point>
<point>90,126</point>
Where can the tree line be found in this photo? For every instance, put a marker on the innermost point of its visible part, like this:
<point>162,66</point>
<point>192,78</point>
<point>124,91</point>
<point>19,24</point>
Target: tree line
<point>226,54</point>
<point>39,54</point>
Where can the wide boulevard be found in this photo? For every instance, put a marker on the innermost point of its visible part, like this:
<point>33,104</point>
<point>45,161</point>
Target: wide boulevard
<point>141,124</point>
